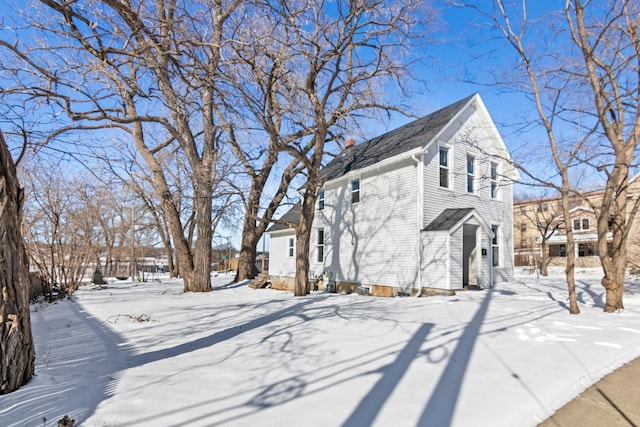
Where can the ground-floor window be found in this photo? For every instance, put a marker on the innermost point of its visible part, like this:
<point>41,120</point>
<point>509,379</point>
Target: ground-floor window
<point>557,250</point>
<point>320,245</point>
<point>291,246</point>
<point>495,245</point>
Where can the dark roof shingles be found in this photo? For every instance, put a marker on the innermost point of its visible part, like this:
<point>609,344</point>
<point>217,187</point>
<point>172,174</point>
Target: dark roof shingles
<point>447,219</point>
<point>400,140</point>
<point>291,216</point>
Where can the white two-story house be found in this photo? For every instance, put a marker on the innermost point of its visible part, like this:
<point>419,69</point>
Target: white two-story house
<point>425,206</point>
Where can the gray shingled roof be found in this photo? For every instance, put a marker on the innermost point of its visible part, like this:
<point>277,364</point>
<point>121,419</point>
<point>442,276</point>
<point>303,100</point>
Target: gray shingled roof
<point>447,219</point>
<point>292,216</point>
<point>405,138</point>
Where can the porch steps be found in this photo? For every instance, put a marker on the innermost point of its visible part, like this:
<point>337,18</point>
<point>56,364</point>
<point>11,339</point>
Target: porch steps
<point>260,281</point>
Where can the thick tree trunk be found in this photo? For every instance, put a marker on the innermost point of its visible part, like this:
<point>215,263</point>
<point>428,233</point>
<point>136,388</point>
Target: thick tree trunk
<point>614,258</point>
<point>303,238</point>
<point>202,247</point>
<point>250,236</point>
<point>16,342</point>
<point>303,234</point>
<point>544,260</point>
<point>247,257</point>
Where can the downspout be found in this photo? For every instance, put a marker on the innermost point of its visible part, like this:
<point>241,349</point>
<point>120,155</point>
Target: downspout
<point>420,175</point>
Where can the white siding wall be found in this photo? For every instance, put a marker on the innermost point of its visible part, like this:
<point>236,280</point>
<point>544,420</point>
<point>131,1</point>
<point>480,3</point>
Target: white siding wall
<point>435,260</point>
<point>280,264</point>
<point>474,138</point>
<point>455,252</point>
<point>375,241</point>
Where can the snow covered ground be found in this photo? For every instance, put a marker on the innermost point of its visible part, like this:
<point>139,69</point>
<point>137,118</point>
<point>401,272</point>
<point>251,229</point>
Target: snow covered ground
<point>146,354</point>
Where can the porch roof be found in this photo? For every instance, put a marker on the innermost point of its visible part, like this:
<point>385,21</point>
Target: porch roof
<point>452,218</point>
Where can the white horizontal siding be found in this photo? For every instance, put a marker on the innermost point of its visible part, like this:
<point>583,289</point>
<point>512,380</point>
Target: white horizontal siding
<point>280,263</point>
<point>475,138</point>
<point>455,252</point>
<point>373,241</point>
<point>435,260</point>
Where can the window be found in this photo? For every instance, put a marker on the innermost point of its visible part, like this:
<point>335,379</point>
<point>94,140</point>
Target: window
<point>557,251</point>
<point>444,167</point>
<point>581,224</point>
<point>586,249</point>
<point>355,191</point>
<point>494,180</point>
<point>471,174</point>
<point>292,246</point>
<point>543,207</point>
<point>495,245</point>
<point>523,227</point>
<point>321,200</point>
<point>542,225</point>
<point>320,245</point>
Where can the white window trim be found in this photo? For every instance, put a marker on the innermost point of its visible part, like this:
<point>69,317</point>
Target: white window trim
<point>321,200</point>
<point>319,245</point>
<point>449,167</point>
<point>290,247</point>
<point>474,175</point>
<point>498,193</point>
<point>497,244</point>
<point>581,228</point>
<point>355,178</point>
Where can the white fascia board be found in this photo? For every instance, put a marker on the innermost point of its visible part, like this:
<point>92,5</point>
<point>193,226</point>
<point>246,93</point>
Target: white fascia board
<point>282,232</point>
<point>477,216</point>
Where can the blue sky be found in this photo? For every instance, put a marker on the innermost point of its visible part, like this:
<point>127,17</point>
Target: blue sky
<point>463,51</point>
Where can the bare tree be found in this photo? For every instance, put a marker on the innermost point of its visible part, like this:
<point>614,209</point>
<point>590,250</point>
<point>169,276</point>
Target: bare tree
<point>18,355</point>
<point>148,69</point>
<point>337,60</point>
<point>606,34</point>
<point>61,225</point>
<point>590,91</point>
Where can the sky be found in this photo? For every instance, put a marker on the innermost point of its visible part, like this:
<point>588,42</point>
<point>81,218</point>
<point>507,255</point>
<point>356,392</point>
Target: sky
<point>465,57</point>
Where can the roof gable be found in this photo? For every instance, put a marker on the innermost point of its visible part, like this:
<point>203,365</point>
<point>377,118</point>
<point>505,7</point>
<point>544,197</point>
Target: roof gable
<point>405,138</point>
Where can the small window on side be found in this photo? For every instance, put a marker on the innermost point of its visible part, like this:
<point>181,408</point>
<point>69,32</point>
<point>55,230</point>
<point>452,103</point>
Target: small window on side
<point>291,247</point>
<point>355,191</point>
<point>444,167</point>
<point>320,245</point>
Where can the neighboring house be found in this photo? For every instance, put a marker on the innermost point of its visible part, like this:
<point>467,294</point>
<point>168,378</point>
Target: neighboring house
<point>539,229</point>
<point>425,206</point>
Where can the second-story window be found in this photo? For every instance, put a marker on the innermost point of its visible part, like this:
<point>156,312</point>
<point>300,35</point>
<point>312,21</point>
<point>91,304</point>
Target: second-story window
<point>581,224</point>
<point>321,200</point>
<point>444,167</point>
<point>494,180</point>
<point>471,174</point>
<point>355,191</point>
